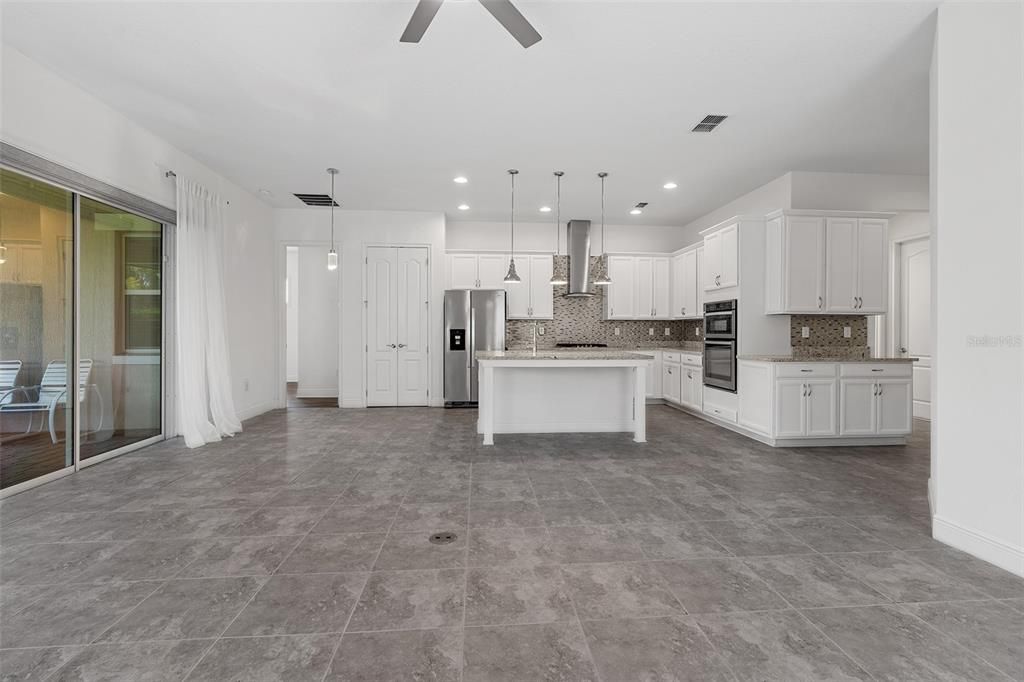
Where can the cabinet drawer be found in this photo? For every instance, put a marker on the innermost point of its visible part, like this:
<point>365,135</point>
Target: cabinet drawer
<point>672,356</point>
<point>881,369</point>
<point>805,369</point>
<point>693,359</point>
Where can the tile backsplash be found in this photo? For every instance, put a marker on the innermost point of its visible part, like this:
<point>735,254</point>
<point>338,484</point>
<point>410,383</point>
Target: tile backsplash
<point>580,320</point>
<point>826,335</point>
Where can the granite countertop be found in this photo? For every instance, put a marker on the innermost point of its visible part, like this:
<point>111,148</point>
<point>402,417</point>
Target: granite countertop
<point>562,354</point>
<point>812,358</point>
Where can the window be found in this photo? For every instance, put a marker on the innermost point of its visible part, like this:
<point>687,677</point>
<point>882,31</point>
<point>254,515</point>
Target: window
<point>140,292</point>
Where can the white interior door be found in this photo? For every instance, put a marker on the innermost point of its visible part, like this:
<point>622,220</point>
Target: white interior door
<point>413,310</point>
<point>913,318</point>
<point>381,326</point>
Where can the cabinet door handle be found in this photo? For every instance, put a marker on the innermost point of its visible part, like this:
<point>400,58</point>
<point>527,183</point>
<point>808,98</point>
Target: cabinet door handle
<point>669,369</point>
<point>819,303</point>
<point>879,389</point>
<point>807,370</point>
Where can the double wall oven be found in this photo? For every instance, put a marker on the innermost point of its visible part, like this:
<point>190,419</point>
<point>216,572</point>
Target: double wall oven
<point>720,345</point>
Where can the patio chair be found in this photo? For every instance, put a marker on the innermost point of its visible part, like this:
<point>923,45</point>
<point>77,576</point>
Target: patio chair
<point>51,393</point>
<point>9,371</point>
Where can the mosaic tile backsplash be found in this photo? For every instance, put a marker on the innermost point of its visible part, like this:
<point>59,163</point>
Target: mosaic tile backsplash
<point>826,339</point>
<point>579,320</point>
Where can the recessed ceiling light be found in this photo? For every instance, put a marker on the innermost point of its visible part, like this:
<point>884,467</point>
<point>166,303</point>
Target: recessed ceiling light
<point>635,211</point>
<point>265,193</point>
<point>670,185</point>
<point>462,180</point>
<point>545,209</point>
<point>463,207</point>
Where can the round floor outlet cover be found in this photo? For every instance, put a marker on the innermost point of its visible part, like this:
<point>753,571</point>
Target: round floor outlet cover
<point>443,538</point>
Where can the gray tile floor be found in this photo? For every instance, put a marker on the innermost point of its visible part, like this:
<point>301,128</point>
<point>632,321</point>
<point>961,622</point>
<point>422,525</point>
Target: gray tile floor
<point>299,550</point>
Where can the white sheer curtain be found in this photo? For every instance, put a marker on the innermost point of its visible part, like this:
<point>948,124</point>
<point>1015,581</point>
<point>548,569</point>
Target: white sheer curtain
<point>205,407</point>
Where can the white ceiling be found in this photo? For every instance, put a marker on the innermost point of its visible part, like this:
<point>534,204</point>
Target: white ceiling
<point>271,93</point>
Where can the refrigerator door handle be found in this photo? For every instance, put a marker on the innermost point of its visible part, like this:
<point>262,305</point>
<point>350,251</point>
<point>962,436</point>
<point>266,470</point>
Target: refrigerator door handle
<point>472,337</point>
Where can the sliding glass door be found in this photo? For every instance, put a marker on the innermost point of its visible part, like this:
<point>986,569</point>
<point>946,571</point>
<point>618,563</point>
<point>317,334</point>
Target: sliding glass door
<point>36,328</point>
<point>120,327</point>
<point>116,294</point>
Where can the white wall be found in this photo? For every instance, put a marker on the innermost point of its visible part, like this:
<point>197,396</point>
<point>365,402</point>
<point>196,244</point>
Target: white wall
<point>292,315</point>
<point>44,114</point>
<point>318,324</point>
<point>494,236</point>
<point>859,191</point>
<point>978,246</point>
<point>354,230</point>
<point>767,198</point>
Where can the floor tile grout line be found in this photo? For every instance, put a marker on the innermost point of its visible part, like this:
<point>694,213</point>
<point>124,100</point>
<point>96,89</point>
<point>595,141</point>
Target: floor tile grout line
<point>256,592</point>
<point>465,576</point>
<point>366,583</point>
<point>970,652</point>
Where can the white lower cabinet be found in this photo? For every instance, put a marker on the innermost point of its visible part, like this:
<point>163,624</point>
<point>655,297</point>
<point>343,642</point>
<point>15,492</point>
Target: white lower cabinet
<point>876,407</point>
<point>795,401</point>
<point>654,383</point>
<point>693,387</point>
<point>671,382</point>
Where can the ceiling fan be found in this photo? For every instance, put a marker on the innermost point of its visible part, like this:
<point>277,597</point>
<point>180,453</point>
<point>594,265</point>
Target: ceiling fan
<point>502,10</point>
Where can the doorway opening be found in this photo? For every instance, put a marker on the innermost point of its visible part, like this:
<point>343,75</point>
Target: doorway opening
<point>311,307</point>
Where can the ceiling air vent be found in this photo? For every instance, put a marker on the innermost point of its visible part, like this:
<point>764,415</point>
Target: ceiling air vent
<point>642,204</point>
<point>710,122</point>
<point>316,199</point>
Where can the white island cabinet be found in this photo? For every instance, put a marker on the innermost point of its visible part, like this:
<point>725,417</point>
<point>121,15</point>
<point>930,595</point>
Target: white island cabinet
<point>562,392</point>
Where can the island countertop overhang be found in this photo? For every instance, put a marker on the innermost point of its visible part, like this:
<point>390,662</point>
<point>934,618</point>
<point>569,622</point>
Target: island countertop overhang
<point>564,358</point>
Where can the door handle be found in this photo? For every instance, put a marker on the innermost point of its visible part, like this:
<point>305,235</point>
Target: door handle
<point>401,345</point>
<point>903,349</point>
<point>391,345</point>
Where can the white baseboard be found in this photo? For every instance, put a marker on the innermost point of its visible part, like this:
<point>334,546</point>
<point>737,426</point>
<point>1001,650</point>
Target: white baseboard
<point>979,544</point>
<point>257,410</point>
<point>351,403</point>
<point>931,496</point>
<point>327,392</point>
<point>922,410</point>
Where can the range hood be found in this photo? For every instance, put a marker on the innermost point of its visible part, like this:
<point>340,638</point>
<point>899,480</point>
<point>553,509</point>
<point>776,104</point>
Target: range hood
<point>578,240</point>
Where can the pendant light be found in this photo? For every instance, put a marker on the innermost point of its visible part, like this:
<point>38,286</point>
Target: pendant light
<point>332,255</point>
<point>601,276</point>
<point>558,277</point>
<point>512,277</point>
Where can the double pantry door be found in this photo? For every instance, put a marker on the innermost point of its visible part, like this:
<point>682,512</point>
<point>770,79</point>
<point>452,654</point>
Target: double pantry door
<point>398,326</point>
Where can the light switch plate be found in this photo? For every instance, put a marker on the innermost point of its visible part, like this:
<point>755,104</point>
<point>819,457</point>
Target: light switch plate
<point>617,332</point>
<point>650,331</point>
<point>668,331</point>
<point>847,332</point>
<point>805,332</point>
<point>540,331</point>
<point>696,331</point>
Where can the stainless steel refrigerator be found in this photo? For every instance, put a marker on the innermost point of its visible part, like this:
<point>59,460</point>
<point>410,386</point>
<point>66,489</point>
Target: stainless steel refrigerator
<point>474,320</point>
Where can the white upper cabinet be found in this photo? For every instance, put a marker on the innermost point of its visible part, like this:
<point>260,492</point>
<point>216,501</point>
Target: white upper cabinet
<point>661,283</point>
<point>686,284</point>
<point>841,265</point>
<point>620,295</point>
<point>644,287</point>
<point>872,237</point>
<point>640,288</point>
<point>721,258</point>
<point>492,269</point>
<point>531,298</point>
<point>817,263</point>
<point>804,247</point>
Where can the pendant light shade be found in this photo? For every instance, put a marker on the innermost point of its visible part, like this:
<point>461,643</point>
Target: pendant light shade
<point>558,275</point>
<point>600,275</point>
<point>332,255</point>
<point>512,277</point>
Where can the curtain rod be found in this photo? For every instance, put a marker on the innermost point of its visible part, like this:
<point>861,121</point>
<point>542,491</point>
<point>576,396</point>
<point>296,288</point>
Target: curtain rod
<point>172,174</point>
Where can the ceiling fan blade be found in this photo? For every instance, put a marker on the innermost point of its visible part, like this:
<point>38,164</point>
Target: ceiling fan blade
<point>421,18</point>
<point>514,22</point>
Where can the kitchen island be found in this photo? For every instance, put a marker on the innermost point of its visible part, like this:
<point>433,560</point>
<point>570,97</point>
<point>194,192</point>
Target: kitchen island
<point>556,391</point>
